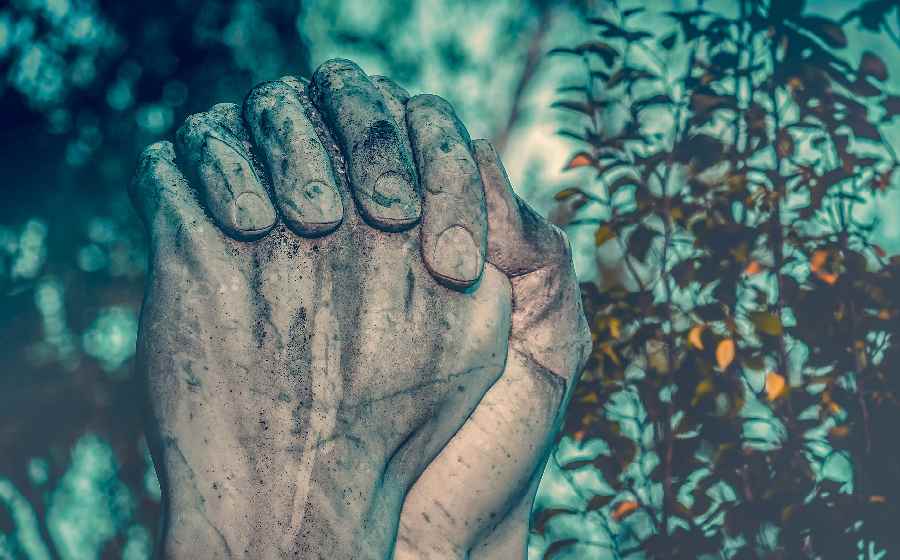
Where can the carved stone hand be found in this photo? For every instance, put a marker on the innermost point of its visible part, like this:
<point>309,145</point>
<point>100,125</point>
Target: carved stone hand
<point>474,500</point>
<point>302,366</point>
<point>317,326</point>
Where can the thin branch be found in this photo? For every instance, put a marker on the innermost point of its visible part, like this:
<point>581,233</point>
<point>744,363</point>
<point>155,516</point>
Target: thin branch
<point>533,57</point>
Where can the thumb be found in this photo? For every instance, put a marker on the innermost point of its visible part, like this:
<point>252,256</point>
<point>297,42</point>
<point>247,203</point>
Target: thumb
<point>548,323</point>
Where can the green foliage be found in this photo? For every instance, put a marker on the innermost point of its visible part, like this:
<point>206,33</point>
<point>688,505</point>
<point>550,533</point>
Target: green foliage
<point>753,327</point>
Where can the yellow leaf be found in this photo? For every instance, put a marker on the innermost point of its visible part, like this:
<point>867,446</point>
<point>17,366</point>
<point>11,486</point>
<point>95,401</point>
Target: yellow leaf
<point>567,193</point>
<point>768,323</point>
<point>590,398</point>
<point>615,327</point>
<point>725,353</point>
<point>775,385</point>
<point>624,509</point>
<point>705,387</point>
<point>603,234</point>
<point>609,351</point>
<point>581,159</point>
<point>694,336</point>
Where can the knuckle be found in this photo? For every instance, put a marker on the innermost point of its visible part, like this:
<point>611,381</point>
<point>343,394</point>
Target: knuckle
<point>559,245</point>
<point>429,101</point>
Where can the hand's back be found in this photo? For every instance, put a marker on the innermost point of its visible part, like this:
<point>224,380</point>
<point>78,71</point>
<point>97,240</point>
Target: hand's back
<point>299,384</point>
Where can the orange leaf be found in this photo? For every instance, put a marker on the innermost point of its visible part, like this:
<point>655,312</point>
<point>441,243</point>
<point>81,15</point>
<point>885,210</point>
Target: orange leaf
<point>839,432</point>
<point>624,509</point>
<point>817,260</point>
<point>879,251</point>
<point>581,159</point>
<point>829,278</point>
<point>775,385</point>
<point>725,353</point>
<point>694,337</point>
<point>753,268</point>
<point>877,499</point>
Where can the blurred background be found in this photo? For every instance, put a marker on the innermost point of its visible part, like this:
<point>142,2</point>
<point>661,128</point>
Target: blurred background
<point>85,85</point>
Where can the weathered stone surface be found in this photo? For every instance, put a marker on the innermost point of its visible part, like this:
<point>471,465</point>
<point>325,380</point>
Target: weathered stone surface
<point>303,373</point>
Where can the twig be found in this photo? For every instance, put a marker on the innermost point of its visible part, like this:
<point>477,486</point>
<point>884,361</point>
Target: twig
<point>533,57</point>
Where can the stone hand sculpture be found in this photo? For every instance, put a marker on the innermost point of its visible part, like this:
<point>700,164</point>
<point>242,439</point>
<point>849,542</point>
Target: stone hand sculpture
<point>347,307</point>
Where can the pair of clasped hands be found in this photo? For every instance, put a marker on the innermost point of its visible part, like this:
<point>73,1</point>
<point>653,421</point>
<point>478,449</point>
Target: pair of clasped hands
<point>357,342</point>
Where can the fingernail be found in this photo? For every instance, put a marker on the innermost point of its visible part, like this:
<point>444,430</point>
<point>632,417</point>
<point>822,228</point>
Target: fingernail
<point>457,256</point>
<point>396,196</point>
<point>318,204</point>
<point>252,213</point>
<point>249,211</point>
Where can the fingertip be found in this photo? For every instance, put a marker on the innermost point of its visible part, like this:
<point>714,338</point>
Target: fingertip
<point>212,147</point>
<point>455,259</point>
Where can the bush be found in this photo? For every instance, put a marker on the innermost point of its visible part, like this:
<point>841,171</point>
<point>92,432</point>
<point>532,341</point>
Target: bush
<point>744,375</point>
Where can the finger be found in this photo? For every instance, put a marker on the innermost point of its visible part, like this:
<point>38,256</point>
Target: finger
<point>159,191</point>
<point>380,166</point>
<point>395,97</point>
<point>214,147</point>
<point>286,141</point>
<point>165,202</point>
<point>548,321</point>
<point>454,220</point>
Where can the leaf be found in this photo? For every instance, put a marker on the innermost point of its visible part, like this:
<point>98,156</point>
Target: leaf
<point>704,388</point>
<point>694,336</point>
<point>581,159</point>
<point>775,385</point>
<point>872,65</point>
<point>599,501</point>
<point>603,234</point>
<point>557,546</point>
<point>568,193</point>
<point>615,328</point>
<point>639,241</point>
<point>725,353</point>
<point>753,268</point>
<point>542,517</point>
<point>829,31</point>
<point>818,260</point>
<point>705,102</point>
<point>575,465</point>
<point>605,51</point>
<point>785,144</point>
<point>767,322</point>
<point>668,41</point>
<point>564,51</point>
<point>891,105</point>
<point>578,106</point>
<point>659,99</point>
<point>624,509</point>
